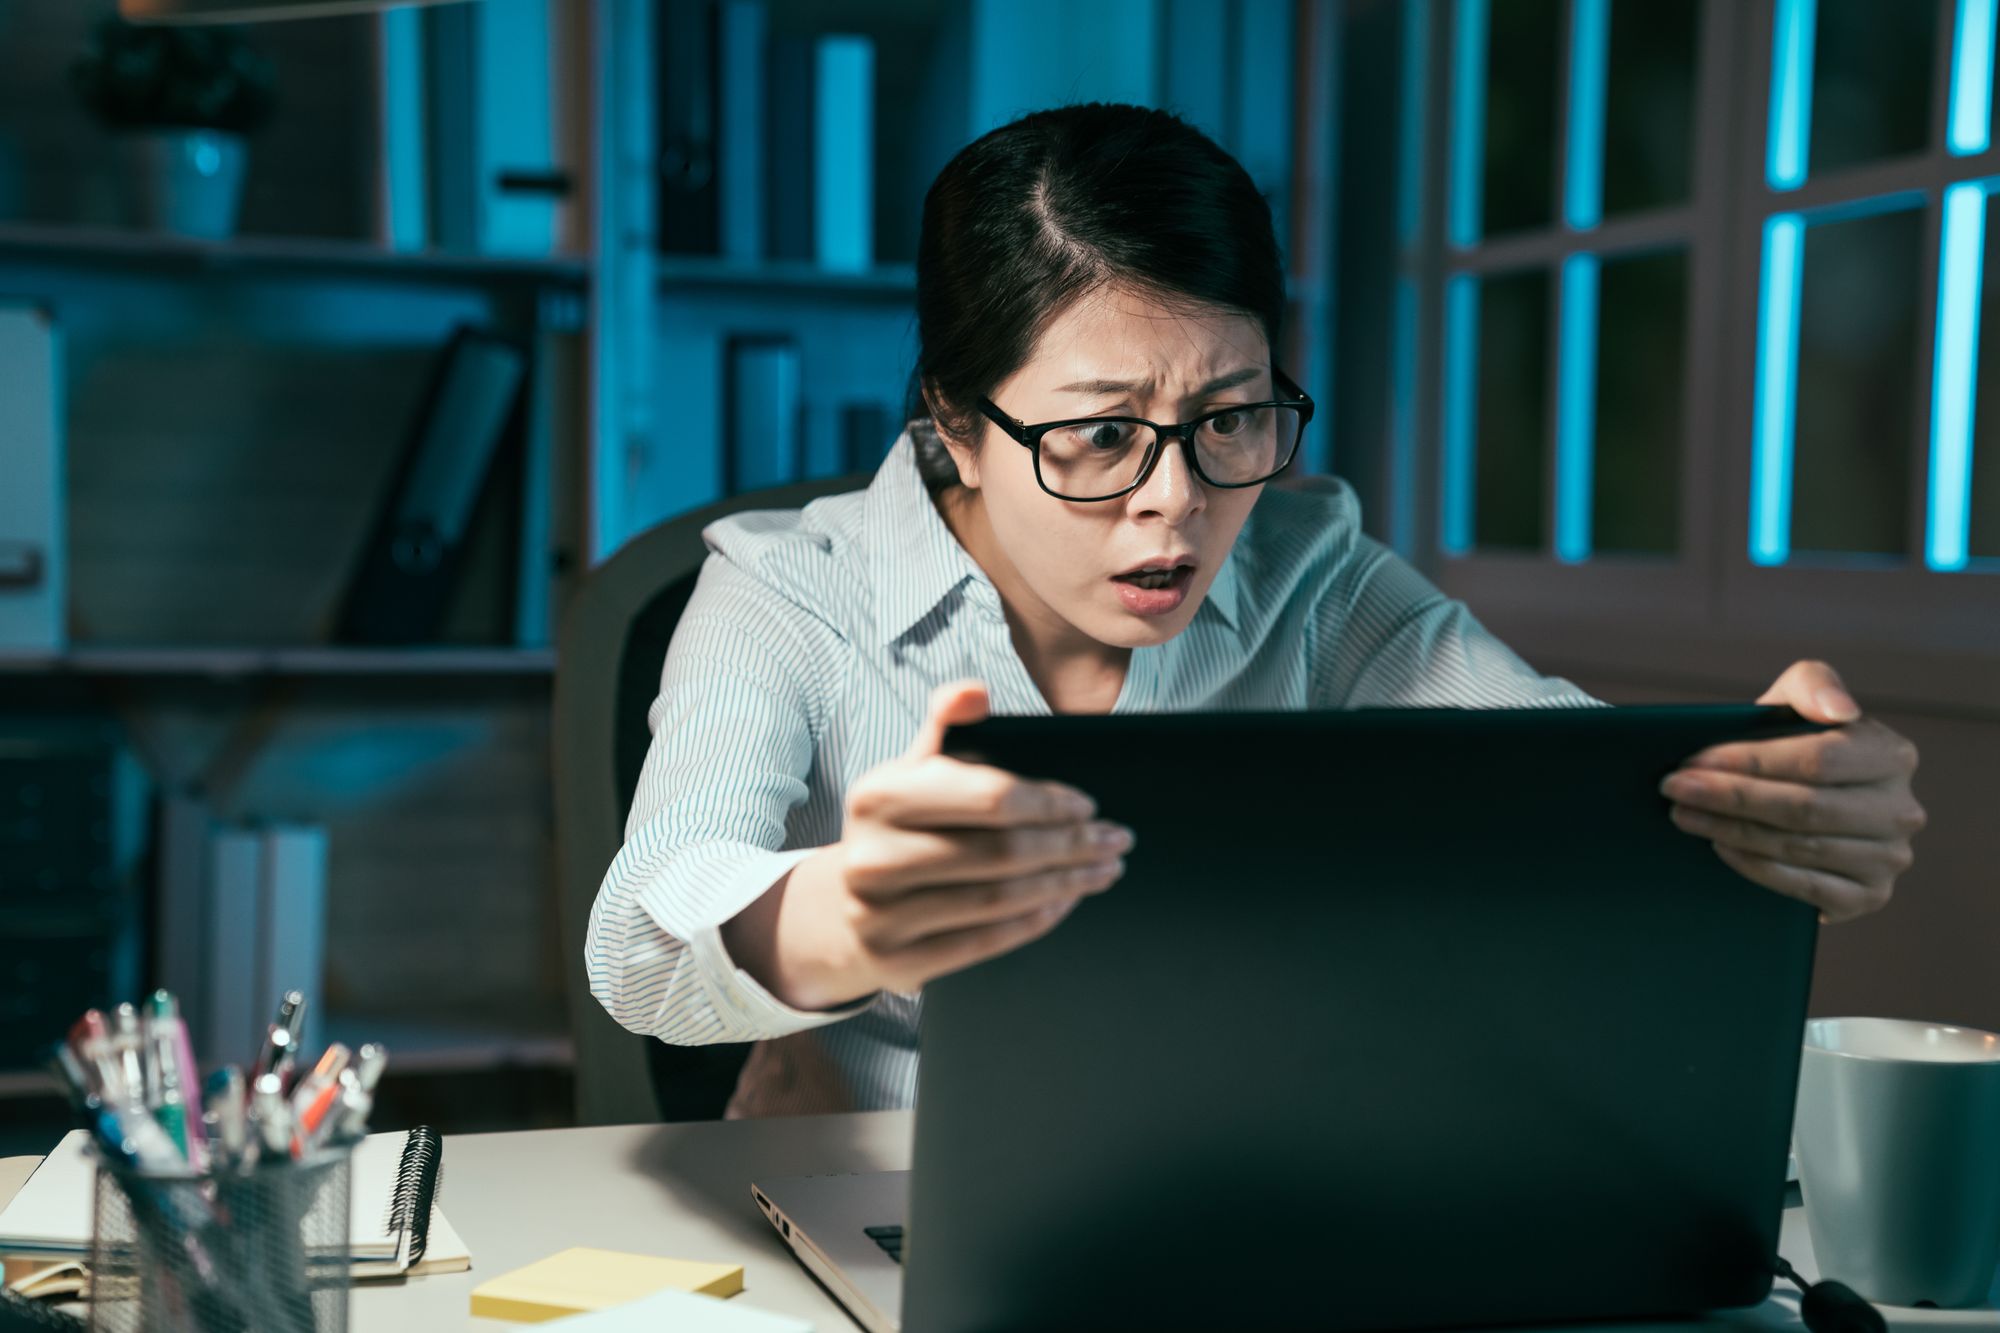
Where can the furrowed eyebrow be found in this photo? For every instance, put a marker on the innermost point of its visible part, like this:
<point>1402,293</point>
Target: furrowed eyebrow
<point>1096,388</point>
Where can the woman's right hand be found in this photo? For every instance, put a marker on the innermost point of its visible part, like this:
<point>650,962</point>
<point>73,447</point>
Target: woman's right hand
<point>941,864</point>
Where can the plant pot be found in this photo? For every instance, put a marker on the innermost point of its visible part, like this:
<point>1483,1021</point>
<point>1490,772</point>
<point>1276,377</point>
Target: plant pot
<point>187,182</point>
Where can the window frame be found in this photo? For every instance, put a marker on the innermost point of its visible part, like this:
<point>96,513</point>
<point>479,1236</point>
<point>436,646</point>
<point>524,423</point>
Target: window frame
<point>1680,616</point>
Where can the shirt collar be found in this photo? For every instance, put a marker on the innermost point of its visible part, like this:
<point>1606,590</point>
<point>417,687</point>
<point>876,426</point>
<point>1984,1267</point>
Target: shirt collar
<point>914,561</point>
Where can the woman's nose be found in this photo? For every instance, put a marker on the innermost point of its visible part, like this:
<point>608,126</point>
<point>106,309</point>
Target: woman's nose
<point>1171,489</point>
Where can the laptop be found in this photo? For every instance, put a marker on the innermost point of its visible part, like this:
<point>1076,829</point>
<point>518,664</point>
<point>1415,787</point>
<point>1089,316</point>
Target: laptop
<point>1398,1019</point>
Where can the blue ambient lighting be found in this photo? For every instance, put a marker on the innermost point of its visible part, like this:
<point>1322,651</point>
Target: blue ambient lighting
<point>1468,123</point>
<point>1971,78</point>
<point>1777,386</point>
<point>1963,251</point>
<point>1576,407</point>
<point>1791,93</point>
<point>1583,175</point>
<point>1461,411</point>
<point>1403,420</point>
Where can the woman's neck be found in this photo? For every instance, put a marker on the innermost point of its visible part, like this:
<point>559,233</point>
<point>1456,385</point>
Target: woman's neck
<point>1075,673</point>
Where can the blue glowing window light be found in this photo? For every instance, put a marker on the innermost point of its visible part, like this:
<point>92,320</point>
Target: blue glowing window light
<point>1461,411</point>
<point>1403,425</point>
<point>1468,123</point>
<point>1583,173</point>
<point>1777,386</point>
<point>1576,407</point>
<point>1962,256</point>
<point>1971,78</point>
<point>1791,93</point>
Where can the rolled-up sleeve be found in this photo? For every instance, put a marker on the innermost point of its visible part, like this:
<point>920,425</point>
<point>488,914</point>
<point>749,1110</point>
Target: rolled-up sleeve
<point>732,746</point>
<point>1384,636</point>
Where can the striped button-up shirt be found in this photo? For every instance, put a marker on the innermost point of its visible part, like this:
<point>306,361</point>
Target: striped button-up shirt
<point>807,656</point>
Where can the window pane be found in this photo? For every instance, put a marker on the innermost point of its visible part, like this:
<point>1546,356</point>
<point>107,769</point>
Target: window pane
<point>1641,357</point>
<point>1524,84</point>
<point>1857,389</point>
<point>1649,104</point>
<point>1983,534</point>
<point>1511,446</point>
<point>1871,89</point>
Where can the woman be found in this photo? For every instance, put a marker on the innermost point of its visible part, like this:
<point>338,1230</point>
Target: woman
<point>800,859</point>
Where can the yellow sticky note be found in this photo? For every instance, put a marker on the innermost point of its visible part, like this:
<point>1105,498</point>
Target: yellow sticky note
<point>581,1280</point>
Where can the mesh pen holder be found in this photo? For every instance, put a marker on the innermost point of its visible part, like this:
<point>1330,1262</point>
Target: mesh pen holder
<point>261,1251</point>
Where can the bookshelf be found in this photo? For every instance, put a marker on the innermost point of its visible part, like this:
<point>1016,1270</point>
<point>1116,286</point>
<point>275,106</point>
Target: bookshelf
<point>233,408</point>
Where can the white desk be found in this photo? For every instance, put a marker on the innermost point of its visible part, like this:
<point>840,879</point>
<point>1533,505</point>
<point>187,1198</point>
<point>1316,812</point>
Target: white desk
<point>684,1191</point>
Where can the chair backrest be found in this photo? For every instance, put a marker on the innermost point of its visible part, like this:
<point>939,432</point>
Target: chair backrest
<point>614,638</point>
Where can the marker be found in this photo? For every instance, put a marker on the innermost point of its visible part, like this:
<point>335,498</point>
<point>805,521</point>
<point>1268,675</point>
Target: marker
<point>232,1128</point>
<point>166,1009</point>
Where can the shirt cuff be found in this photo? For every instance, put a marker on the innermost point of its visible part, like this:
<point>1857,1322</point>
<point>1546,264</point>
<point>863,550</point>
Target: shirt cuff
<point>751,1008</point>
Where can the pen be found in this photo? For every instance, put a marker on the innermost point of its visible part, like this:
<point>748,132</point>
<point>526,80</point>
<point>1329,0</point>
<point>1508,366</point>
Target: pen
<point>177,1054</point>
<point>368,1064</point>
<point>315,1097</point>
<point>290,1011</point>
<point>125,1048</point>
<point>272,1115</point>
<point>165,1095</point>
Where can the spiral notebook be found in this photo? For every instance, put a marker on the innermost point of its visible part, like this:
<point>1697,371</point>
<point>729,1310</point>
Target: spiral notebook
<point>396,1227</point>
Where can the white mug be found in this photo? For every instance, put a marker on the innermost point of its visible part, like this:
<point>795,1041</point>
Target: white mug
<point>1898,1140</point>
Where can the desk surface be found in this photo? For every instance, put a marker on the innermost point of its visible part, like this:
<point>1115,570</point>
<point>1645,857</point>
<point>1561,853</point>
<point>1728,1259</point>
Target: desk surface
<point>683,1190</point>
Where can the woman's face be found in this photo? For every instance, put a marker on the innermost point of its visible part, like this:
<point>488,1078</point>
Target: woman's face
<point>1117,353</point>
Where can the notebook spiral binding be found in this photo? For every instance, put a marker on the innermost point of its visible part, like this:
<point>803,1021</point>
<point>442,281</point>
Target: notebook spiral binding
<point>419,1177</point>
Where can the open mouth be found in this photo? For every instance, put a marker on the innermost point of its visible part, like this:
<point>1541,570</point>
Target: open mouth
<point>1157,576</point>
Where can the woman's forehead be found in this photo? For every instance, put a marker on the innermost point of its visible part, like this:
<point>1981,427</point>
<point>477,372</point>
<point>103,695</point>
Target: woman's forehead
<point>1116,334</point>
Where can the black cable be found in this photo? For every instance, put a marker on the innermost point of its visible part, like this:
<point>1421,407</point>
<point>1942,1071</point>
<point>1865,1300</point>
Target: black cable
<point>1831,1307</point>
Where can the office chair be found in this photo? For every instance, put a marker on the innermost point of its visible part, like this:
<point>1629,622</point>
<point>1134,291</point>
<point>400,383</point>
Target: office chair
<point>613,640</point>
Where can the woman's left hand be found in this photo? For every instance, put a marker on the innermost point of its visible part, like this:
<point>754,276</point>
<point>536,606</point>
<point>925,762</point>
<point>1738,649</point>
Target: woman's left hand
<point>1827,817</point>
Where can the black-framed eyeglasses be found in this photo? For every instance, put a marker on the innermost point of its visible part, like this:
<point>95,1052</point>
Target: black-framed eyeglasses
<point>1101,458</point>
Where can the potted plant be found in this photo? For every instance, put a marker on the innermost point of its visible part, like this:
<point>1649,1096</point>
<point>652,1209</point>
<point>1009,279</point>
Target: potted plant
<point>183,100</point>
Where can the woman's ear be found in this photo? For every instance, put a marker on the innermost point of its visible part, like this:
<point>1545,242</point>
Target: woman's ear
<point>964,452</point>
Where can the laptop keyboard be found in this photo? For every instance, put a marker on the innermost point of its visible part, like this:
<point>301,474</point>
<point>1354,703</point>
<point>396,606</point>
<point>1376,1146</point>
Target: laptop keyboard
<point>889,1238</point>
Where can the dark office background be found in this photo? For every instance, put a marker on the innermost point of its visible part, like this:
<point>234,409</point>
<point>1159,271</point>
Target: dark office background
<point>1649,327</point>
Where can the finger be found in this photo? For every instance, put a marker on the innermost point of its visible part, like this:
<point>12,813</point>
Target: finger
<point>957,704</point>
<point>1837,897</point>
<point>1855,812</point>
<point>941,955</point>
<point>1867,751</point>
<point>904,861</point>
<point>940,792</point>
<point>1815,691</point>
<point>1859,859</point>
<point>939,911</point>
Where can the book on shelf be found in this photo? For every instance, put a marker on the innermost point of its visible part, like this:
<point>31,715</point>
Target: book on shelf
<point>764,421</point>
<point>466,130</point>
<point>33,545</point>
<point>409,566</point>
<point>844,153</point>
<point>686,96</point>
<point>766,139</point>
<point>789,165</point>
<point>740,130</point>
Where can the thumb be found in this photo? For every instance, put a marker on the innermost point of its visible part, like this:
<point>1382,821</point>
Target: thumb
<point>957,704</point>
<point>1815,691</point>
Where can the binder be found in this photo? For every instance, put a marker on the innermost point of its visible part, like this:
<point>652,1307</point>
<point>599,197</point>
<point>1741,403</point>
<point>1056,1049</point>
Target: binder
<point>411,562</point>
<point>741,129</point>
<point>291,917</point>
<point>33,547</point>
<point>789,162</point>
<point>687,97</point>
<point>844,153</point>
<point>232,933</point>
<point>764,426</point>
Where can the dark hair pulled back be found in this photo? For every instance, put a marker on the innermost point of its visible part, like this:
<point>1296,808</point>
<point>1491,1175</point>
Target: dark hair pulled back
<point>1038,213</point>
